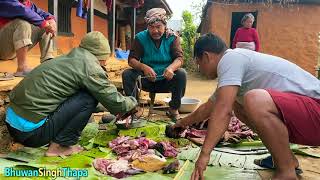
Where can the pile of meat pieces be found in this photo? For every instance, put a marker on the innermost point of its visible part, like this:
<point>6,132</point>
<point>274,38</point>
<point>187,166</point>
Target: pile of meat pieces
<point>128,150</point>
<point>235,132</point>
<point>131,149</point>
<point>115,168</point>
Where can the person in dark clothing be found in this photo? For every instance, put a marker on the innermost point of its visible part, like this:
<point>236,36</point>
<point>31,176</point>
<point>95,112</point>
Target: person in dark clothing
<point>158,56</point>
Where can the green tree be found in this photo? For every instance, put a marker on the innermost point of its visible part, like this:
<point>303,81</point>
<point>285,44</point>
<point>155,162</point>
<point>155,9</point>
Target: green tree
<point>188,39</point>
<point>197,8</point>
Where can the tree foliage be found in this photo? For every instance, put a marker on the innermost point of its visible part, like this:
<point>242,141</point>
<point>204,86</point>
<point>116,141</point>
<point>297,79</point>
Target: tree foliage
<point>188,38</point>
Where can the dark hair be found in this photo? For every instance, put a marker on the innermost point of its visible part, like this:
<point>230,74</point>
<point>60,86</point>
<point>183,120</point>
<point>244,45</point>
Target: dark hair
<point>209,42</point>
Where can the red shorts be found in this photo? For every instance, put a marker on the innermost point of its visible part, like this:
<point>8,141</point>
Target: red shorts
<point>301,115</point>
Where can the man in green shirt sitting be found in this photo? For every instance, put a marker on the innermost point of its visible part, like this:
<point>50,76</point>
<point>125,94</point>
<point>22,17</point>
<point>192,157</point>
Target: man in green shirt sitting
<point>157,55</point>
<point>54,102</point>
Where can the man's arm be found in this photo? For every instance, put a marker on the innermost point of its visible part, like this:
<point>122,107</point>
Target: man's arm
<point>199,115</point>
<point>106,93</point>
<point>135,55</point>
<point>45,15</point>
<point>176,54</point>
<point>218,123</point>
<point>220,117</point>
<point>14,9</point>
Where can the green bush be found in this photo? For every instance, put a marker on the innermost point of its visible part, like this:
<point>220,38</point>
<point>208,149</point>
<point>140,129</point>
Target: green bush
<point>189,33</point>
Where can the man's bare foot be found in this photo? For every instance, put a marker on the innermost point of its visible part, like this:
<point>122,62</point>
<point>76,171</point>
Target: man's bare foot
<point>24,69</point>
<point>285,175</point>
<point>22,72</point>
<point>289,172</point>
<point>58,150</point>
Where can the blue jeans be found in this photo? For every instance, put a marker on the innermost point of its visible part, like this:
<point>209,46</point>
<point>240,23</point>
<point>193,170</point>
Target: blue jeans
<point>63,126</point>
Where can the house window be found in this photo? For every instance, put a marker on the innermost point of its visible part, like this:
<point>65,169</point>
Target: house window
<point>64,16</point>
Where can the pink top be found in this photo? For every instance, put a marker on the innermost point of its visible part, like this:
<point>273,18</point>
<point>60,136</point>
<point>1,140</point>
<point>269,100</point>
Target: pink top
<point>246,35</point>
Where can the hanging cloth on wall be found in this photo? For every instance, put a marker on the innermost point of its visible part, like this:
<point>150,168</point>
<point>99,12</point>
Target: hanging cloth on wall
<point>83,8</point>
<point>137,3</point>
<point>108,4</point>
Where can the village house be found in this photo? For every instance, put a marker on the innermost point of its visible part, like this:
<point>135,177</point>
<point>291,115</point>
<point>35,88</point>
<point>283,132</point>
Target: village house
<point>126,20</point>
<point>288,30</point>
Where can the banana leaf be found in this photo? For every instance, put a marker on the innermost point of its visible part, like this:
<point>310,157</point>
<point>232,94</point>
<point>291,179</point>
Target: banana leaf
<point>243,144</point>
<point>73,161</point>
<point>7,163</point>
<point>223,159</point>
<point>26,154</point>
<point>308,151</point>
<point>89,132</point>
<point>25,178</point>
<point>104,137</point>
<point>148,176</point>
<point>151,130</point>
<point>96,152</point>
<point>4,163</point>
<point>154,131</point>
<point>217,173</point>
<point>93,174</point>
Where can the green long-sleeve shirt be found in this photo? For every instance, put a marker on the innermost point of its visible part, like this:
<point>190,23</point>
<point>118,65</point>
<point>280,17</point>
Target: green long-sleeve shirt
<point>54,81</point>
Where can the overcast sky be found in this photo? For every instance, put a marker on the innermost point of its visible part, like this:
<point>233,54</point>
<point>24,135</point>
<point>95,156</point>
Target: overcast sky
<point>177,6</point>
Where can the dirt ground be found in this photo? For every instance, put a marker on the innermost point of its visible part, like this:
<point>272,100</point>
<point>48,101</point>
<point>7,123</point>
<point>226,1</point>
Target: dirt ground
<point>197,87</point>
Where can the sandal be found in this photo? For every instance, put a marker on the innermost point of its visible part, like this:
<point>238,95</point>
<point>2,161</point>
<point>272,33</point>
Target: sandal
<point>173,116</point>
<point>107,118</point>
<point>269,164</point>
<point>21,74</point>
<point>5,76</point>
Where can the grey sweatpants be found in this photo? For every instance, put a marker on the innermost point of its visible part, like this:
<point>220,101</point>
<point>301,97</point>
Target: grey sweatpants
<point>19,33</point>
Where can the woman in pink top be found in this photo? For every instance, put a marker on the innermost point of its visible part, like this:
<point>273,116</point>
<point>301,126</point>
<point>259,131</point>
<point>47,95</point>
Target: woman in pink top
<point>247,37</point>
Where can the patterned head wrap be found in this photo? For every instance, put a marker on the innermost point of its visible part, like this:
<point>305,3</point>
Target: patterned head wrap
<point>156,15</point>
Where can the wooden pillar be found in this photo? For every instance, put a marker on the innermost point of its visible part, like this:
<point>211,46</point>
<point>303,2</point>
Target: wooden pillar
<point>90,18</point>
<point>134,21</point>
<point>114,26</point>
<point>55,14</point>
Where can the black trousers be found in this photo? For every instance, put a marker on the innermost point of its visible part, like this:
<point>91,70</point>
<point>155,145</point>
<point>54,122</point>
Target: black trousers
<point>64,126</point>
<point>176,85</point>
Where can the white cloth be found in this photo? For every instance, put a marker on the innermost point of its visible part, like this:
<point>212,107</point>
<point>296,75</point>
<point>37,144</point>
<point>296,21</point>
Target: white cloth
<point>246,45</point>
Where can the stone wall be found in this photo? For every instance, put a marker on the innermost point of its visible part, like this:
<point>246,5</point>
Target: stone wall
<point>5,88</point>
<point>5,139</point>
